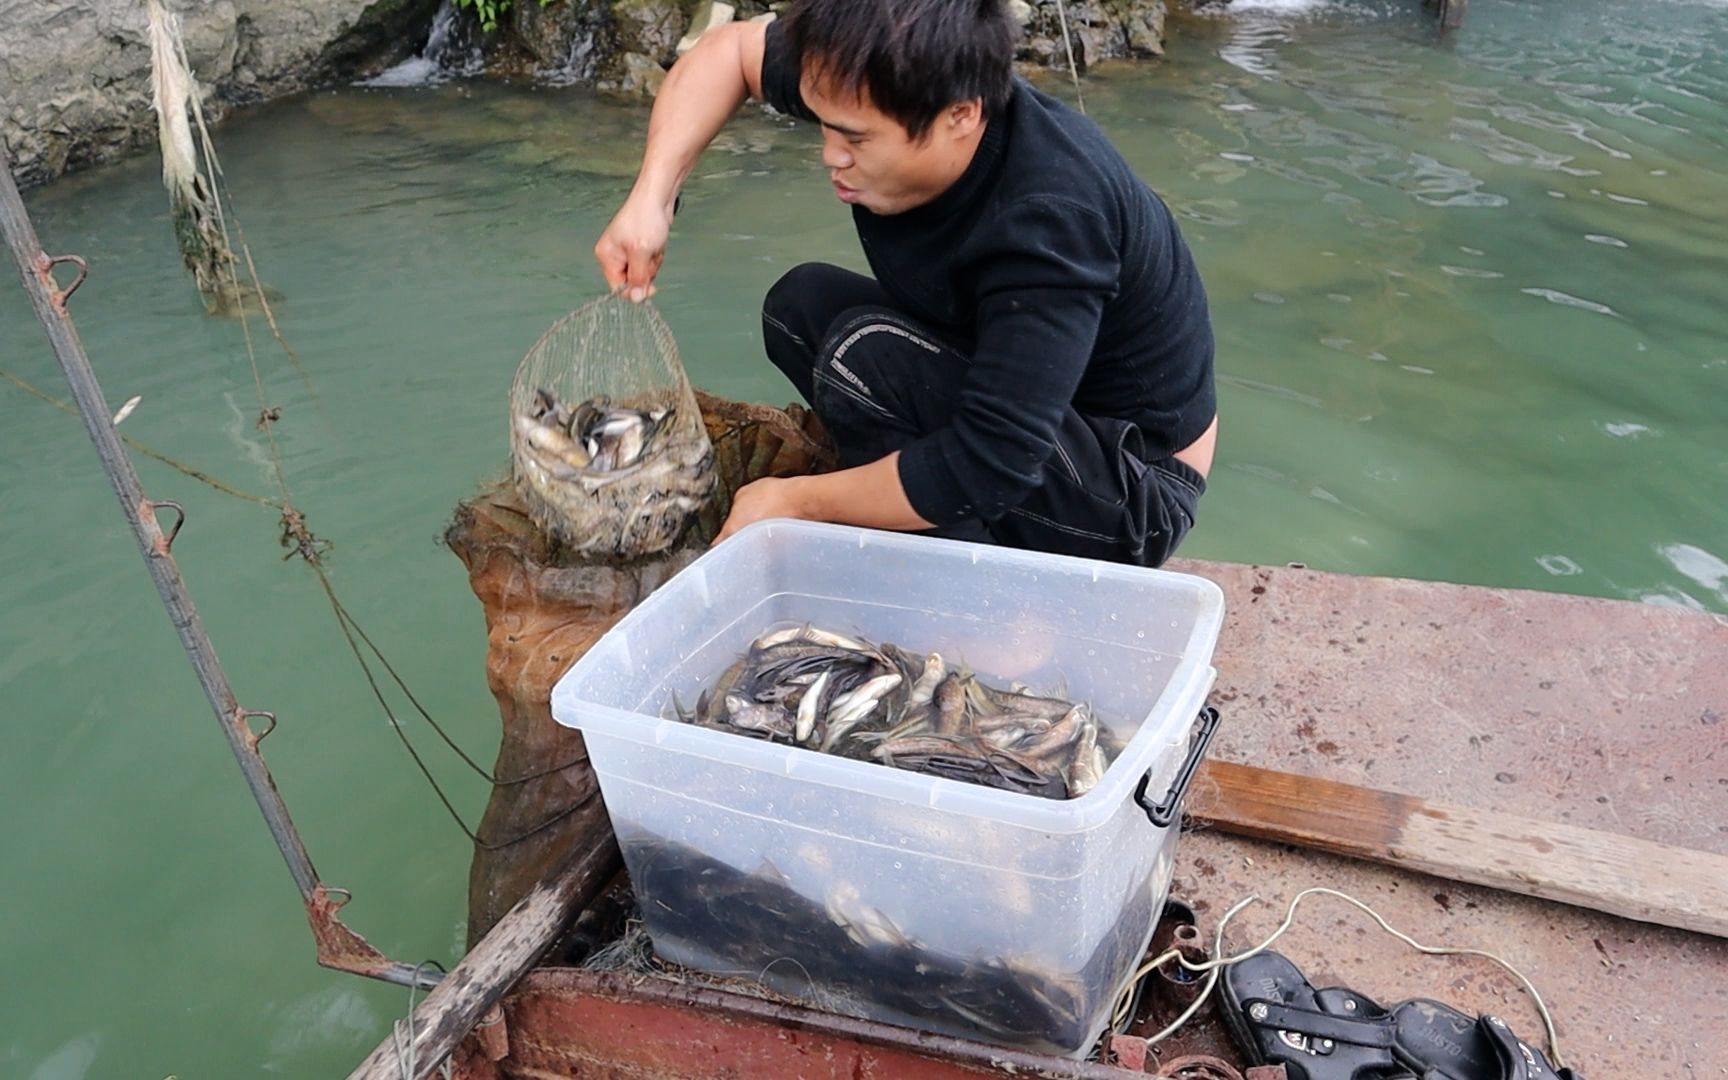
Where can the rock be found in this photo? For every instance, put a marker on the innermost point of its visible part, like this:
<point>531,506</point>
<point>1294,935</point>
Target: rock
<point>649,27</point>
<point>563,38</point>
<point>710,14</point>
<point>765,18</point>
<point>1099,37</point>
<point>1042,50</point>
<point>385,33</point>
<point>634,75</point>
<point>1099,29</point>
<point>77,72</point>
<point>1145,27</point>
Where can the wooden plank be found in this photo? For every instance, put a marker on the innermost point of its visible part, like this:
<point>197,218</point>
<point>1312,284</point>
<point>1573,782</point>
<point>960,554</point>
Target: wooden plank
<point>492,967</point>
<point>1621,875</point>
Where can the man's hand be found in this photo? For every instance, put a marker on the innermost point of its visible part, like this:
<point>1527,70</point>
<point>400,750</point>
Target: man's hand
<point>633,246</point>
<point>703,88</point>
<point>769,497</point>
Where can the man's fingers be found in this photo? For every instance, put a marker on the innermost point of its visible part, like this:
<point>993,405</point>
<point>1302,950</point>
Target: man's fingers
<point>612,263</point>
<point>640,273</point>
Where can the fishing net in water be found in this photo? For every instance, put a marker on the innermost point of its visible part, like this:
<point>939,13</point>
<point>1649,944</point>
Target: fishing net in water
<point>610,453</point>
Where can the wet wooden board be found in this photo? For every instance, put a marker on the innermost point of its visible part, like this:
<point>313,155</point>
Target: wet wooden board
<point>1620,875</point>
<point>490,969</point>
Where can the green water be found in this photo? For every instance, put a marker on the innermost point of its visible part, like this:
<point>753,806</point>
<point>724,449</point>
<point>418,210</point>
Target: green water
<point>1470,321</point>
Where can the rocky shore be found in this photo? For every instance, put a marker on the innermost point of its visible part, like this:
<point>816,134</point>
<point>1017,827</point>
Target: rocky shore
<point>74,74</point>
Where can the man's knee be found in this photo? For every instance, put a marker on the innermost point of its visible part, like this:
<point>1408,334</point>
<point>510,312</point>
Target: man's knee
<point>791,300</point>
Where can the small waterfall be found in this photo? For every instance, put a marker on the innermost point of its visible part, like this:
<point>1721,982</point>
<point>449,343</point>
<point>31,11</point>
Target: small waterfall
<point>578,65</point>
<point>448,54</point>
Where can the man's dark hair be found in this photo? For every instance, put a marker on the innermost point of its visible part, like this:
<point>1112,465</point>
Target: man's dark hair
<point>913,58</point>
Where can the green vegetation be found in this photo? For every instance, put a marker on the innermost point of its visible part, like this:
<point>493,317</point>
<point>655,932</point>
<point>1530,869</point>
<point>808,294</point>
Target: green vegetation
<point>489,10</point>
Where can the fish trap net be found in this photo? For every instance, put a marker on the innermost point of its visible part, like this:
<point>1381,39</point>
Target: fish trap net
<point>608,448</point>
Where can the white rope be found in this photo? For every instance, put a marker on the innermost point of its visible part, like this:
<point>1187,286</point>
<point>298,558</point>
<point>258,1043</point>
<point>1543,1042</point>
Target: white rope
<point>1068,43</point>
<point>1212,967</point>
<point>407,1054</point>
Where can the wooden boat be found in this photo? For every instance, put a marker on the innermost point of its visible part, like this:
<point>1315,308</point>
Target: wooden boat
<point>1531,737</point>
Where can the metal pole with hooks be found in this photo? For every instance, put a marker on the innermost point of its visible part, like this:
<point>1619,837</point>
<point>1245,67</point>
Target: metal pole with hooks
<point>338,946</point>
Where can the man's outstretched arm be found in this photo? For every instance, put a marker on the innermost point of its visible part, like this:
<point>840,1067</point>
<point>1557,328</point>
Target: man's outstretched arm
<point>703,89</point>
<point>869,495</point>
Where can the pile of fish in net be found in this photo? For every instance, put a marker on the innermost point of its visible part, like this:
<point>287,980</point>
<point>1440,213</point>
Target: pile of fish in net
<point>593,439</point>
<point>841,955</point>
<point>839,695</point>
<point>611,456</point>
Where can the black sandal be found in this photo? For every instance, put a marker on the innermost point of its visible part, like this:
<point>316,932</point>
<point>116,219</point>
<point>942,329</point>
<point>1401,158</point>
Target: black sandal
<point>1277,1017</point>
<point>1438,1042</point>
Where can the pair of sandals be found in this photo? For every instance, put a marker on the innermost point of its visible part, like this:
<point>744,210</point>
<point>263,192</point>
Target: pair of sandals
<point>1278,1018</point>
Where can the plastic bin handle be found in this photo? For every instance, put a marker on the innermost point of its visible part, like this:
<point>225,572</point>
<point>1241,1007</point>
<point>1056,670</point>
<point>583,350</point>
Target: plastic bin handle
<point>1163,812</point>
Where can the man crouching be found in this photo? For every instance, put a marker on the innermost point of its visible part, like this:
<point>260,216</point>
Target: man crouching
<point>1031,364</point>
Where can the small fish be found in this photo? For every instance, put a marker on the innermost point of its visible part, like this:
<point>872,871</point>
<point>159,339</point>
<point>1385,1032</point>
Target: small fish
<point>864,924</point>
<point>1061,734</point>
<point>1005,734</point>
<point>919,745</point>
<point>769,720</point>
<point>801,650</point>
<point>925,688</point>
<point>1025,723</point>
<point>705,710</point>
<point>778,637</point>
<point>1085,771</point>
<point>950,700</point>
<point>587,415</point>
<point>552,442</point>
<point>545,404</point>
<point>807,709</point>
<point>1000,701</point>
<point>841,721</point>
<point>867,695</point>
<point>823,637</point>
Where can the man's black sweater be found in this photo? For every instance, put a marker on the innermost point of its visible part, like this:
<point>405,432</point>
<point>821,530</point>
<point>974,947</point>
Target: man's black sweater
<point>1066,279</point>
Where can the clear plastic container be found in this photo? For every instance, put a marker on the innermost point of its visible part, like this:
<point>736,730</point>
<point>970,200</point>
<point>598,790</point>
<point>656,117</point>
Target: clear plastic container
<point>878,892</point>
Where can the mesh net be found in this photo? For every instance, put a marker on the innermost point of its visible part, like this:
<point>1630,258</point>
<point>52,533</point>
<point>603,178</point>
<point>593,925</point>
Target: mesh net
<point>610,453</point>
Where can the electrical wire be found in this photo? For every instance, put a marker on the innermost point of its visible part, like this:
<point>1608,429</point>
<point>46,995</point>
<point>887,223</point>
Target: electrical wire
<point>1212,967</point>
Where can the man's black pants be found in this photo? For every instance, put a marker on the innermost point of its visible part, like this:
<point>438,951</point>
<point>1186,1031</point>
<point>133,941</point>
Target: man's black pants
<point>879,381</point>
